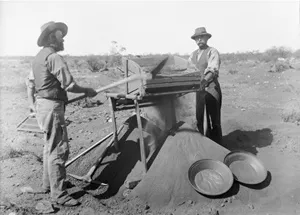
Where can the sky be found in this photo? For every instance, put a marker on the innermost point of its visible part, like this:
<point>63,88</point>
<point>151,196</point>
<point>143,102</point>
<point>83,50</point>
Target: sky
<point>144,27</point>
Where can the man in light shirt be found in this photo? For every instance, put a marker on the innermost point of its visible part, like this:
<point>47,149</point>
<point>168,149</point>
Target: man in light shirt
<point>207,61</point>
<point>47,87</point>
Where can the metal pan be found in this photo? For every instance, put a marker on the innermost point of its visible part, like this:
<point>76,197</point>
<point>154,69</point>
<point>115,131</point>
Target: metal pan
<point>210,177</point>
<point>246,167</point>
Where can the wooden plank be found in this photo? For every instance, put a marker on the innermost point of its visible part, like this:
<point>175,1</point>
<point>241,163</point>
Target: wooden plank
<point>172,79</point>
<point>120,95</point>
<point>177,74</point>
<point>114,122</point>
<point>178,92</point>
<point>142,144</point>
<point>177,84</point>
<point>132,106</point>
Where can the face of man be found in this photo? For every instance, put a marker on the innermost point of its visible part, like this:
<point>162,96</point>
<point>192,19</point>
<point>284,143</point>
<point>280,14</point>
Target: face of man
<point>59,41</point>
<point>201,41</point>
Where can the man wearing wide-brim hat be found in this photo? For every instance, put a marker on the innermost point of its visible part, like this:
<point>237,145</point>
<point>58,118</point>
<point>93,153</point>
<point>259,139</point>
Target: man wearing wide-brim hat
<point>207,61</point>
<point>48,84</point>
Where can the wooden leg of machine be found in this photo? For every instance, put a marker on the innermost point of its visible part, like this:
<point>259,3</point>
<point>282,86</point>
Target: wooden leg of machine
<point>142,143</point>
<point>113,105</point>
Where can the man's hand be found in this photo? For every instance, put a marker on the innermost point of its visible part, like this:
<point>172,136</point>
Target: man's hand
<point>203,84</point>
<point>90,92</point>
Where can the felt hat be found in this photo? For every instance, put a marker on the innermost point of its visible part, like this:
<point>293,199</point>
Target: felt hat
<point>199,32</point>
<point>48,28</point>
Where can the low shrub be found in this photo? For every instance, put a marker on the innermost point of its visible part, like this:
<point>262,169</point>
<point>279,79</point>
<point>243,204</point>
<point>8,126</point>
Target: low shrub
<point>274,53</point>
<point>114,60</point>
<point>280,66</point>
<point>291,112</point>
<point>74,63</point>
<point>95,64</point>
<point>9,152</point>
<point>296,54</point>
<point>270,55</point>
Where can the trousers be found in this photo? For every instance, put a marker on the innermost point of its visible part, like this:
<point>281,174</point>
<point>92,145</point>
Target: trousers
<point>50,117</point>
<point>211,99</point>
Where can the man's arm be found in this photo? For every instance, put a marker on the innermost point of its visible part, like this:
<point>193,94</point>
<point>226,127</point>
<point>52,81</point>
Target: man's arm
<point>213,66</point>
<point>75,88</point>
<point>31,95</point>
<point>61,71</point>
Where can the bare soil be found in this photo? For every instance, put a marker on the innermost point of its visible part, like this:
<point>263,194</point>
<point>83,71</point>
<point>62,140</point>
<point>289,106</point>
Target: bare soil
<point>260,114</point>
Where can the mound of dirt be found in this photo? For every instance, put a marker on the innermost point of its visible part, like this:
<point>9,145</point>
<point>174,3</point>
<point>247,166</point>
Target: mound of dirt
<point>123,164</point>
<point>166,183</point>
<point>172,109</point>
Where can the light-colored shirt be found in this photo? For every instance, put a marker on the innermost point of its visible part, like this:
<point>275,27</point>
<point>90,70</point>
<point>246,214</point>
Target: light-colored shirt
<point>59,68</point>
<point>213,60</point>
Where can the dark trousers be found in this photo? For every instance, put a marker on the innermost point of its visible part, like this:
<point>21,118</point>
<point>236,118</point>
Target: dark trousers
<point>212,100</point>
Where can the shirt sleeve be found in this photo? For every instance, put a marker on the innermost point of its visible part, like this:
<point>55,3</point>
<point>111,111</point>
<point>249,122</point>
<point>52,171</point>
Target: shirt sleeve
<point>214,62</point>
<point>60,69</point>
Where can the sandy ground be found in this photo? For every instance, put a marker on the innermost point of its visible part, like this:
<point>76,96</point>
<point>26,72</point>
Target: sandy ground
<point>259,114</point>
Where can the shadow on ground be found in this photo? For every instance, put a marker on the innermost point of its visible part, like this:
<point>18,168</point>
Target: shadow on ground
<point>118,164</point>
<point>261,185</point>
<point>248,140</point>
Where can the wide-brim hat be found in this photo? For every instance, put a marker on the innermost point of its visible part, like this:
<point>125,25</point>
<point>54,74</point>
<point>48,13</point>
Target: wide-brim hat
<point>200,32</point>
<point>50,27</point>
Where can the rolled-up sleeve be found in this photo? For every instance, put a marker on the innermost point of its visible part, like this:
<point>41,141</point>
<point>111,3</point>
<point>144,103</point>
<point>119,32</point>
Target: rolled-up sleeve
<point>214,62</point>
<point>60,70</point>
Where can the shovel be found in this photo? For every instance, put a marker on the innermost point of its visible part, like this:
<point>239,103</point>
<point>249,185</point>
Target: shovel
<point>123,81</point>
<point>88,177</point>
<point>153,72</point>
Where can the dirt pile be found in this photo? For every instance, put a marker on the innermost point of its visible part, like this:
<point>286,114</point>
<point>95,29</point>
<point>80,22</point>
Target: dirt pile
<point>166,183</point>
<point>171,147</point>
<point>170,110</point>
<point>123,164</point>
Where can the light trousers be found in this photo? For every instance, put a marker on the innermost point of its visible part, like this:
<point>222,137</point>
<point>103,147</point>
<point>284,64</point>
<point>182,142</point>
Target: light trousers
<point>50,117</point>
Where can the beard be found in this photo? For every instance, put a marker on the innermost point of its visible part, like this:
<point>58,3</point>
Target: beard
<point>58,46</point>
<point>202,45</point>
